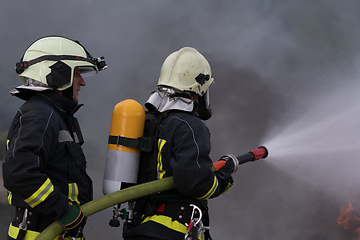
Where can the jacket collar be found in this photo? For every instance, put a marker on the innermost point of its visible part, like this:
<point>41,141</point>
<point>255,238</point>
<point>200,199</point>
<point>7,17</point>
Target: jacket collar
<point>66,109</point>
<point>63,105</point>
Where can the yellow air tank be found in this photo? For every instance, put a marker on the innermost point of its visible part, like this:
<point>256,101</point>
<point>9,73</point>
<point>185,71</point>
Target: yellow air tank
<point>122,163</point>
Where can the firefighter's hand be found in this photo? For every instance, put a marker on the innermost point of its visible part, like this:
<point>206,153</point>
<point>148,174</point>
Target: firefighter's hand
<point>73,220</point>
<point>231,162</point>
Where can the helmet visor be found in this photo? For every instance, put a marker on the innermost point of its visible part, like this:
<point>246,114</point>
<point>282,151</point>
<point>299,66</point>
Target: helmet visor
<point>207,99</point>
<point>204,108</point>
<point>87,71</point>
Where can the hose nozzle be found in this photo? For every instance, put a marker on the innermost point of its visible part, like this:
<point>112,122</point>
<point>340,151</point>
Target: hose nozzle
<point>260,152</point>
<point>253,155</point>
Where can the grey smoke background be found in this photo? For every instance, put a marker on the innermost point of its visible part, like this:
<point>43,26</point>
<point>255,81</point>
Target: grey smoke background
<point>272,62</point>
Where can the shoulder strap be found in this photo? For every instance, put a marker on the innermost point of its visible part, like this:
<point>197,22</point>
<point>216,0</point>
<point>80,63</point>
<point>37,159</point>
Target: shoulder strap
<point>148,160</point>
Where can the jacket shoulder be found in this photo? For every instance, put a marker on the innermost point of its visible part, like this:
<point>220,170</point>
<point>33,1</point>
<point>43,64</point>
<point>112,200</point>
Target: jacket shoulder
<point>186,120</point>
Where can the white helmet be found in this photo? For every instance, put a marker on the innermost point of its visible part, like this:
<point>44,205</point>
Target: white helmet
<point>186,70</point>
<point>51,62</point>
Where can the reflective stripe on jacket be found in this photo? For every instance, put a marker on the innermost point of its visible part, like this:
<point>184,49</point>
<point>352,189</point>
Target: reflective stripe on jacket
<point>184,148</point>
<point>44,164</point>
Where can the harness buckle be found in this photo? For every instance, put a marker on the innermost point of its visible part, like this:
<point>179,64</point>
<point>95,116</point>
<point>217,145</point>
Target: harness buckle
<point>23,224</point>
<point>195,208</point>
<point>119,141</point>
<point>196,225</point>
<point>193,222</point>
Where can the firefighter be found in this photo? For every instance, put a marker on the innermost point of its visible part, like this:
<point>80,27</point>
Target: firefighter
<point>45,168</point>
<point>183,148</point>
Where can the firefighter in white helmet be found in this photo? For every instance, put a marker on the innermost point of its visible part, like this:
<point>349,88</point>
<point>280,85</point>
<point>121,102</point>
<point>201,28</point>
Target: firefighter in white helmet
<point>183,152</point>
<point>45,168</point>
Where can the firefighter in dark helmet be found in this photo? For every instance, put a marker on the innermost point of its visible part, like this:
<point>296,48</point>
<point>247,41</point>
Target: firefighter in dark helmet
<point>182,152</point>
<point>44,169</point>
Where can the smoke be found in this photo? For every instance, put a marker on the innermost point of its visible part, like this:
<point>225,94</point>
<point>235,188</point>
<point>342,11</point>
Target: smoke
<point>282,69</point>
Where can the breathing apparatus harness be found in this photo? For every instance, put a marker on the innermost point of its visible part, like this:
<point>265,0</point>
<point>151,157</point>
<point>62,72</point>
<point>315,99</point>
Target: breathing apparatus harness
<point>160,105</point>
<point>186,210</point>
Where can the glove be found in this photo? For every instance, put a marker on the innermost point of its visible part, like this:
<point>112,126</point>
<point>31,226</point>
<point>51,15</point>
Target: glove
<point>226,165</point>
<point>231,162</point>
<point>73,220</point>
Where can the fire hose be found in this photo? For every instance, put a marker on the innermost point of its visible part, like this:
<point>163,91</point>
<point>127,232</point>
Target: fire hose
<point>139,191</point>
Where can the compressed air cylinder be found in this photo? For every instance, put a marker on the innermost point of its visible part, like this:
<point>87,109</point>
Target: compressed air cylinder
<point>122,163</point>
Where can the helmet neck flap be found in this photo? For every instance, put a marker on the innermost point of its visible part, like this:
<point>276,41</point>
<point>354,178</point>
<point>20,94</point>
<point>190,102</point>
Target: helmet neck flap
<point>165,99</point>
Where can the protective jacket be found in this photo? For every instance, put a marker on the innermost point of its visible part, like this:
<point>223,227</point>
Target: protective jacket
<point>183,152</point>
<point>44,165</point>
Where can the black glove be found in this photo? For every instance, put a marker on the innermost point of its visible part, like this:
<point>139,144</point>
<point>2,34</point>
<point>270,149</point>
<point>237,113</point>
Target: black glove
<point>229,165</point>
<point>73,220</point>
<point>232,162</point>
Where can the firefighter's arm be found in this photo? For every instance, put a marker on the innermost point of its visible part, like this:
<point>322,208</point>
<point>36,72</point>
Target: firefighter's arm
<point>30,143</point>
<point>192,167</point>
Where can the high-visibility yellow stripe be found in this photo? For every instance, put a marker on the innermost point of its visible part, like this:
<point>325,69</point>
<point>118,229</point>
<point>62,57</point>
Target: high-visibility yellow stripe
<point>9,197</point>
<point>169,223</point>
<point>30,235</point>
<point>160,169</point>
<point>41,194</point>
<point>227,188</point>
<point>7,144</point>
<point>73,193</point>
<point>212,189</point>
